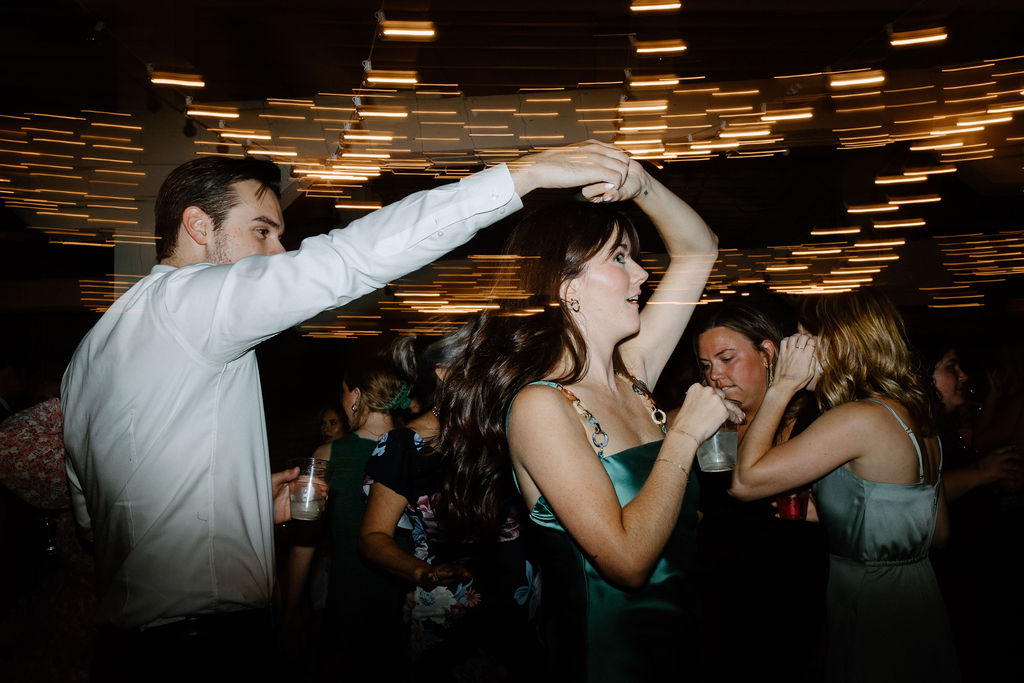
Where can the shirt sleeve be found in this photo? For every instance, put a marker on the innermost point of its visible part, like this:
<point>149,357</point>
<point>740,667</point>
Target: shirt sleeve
<point>223,311</point>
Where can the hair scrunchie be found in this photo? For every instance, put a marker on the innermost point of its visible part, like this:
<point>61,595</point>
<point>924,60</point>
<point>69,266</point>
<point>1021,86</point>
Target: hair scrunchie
<point>400,399</point>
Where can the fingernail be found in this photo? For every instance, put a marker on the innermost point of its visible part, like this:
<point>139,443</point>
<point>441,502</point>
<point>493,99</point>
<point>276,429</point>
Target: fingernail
<point>607,198</point>
<point>609,186</point>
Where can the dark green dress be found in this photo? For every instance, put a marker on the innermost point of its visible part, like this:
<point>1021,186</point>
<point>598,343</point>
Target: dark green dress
<point>364,604</point>
<point>595,631</point>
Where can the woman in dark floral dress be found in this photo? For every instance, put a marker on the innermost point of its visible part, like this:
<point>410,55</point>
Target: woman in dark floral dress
<point>468,612</point>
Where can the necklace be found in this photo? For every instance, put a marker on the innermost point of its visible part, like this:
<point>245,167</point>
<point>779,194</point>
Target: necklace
<point>372,435</point>
<point>641,390</point>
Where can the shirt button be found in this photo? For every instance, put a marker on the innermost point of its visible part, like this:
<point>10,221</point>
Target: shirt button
<point>440,233</point>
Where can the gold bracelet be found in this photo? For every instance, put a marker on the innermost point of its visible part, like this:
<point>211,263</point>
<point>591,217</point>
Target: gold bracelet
<point>686,472</point>
<point>686,433</point>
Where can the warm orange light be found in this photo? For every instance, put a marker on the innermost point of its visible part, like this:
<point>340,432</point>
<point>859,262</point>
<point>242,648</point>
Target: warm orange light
<point>857,78</point>
<point>365,206</point>
<point>384,77</point>
<point>897,179</point>
<point>853,230</point>
<point>646,106</point>
<point>871,208</point>
<point>179,79</point>
<point>788,114</point>
<point>408,30</point>
<point>654,47</point>
<point>662,81</point>
<point>654,6</point>
<point>922,36</point>
<point>214,112</point>
<point>381,111</point>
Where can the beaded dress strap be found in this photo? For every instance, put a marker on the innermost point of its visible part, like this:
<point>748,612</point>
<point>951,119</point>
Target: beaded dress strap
<point>600,437</point>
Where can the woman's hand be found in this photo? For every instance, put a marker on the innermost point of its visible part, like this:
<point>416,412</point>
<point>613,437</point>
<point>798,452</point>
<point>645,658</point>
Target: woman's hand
<point>703,412</point>
<point>636,183</point>
<point>429,577</point>
<point>797,366</point>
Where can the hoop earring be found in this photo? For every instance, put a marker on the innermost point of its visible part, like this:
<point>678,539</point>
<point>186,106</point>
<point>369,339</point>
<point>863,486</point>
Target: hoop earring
<point>574,304</point>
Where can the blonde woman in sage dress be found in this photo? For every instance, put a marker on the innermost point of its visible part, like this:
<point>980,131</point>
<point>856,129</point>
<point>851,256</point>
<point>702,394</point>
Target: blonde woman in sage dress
<point>874,463</point>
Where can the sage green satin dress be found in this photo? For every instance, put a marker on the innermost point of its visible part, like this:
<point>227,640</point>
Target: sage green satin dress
<point>595,631</point>
<point>886,617</point>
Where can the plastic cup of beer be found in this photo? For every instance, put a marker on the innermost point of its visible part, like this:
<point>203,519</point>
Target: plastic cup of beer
<point>793,504</point>
<point>718,453</point>
<point>308,492</point>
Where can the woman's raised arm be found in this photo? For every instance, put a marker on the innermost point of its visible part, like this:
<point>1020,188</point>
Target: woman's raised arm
<point>692,250</point>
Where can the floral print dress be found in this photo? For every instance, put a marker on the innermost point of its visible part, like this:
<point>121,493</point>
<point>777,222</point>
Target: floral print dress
<point>476,630</point>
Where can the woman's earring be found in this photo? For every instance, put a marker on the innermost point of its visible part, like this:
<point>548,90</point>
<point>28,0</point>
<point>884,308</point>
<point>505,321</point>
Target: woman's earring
<point>574,304</point>
<point>355,407</point>
<point>771,372</point>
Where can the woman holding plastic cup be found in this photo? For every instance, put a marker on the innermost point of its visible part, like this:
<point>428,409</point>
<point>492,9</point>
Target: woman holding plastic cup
<point>554,388</point>
<point>363,605</point>
<point>875,464</point>
<point>736,346</point>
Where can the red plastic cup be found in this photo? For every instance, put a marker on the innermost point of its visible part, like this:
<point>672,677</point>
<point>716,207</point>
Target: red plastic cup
<point>793,504</point>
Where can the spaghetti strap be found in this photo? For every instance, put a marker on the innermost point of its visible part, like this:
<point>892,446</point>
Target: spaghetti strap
<point>910,433</point>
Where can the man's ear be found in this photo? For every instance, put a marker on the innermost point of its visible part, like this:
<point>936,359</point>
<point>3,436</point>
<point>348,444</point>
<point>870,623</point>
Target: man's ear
<point>197,224</point>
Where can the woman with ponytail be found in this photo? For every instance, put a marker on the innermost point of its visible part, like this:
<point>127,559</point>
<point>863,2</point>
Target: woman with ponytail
<point>554,387</point>
<point>363,604</point>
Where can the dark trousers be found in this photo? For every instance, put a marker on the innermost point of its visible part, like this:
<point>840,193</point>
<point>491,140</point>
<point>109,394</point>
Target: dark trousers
<point>211,647</point>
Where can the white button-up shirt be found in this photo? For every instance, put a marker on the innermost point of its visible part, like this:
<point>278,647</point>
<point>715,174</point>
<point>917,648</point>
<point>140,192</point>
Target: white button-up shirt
<point>163,412</point>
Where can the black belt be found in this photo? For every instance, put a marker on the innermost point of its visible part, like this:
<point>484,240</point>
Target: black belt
<point>259,620</point>
<point>170,652</point>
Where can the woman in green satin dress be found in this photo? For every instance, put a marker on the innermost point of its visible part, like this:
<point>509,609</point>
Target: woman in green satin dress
<point>874,464</point>
<point>554,387</point>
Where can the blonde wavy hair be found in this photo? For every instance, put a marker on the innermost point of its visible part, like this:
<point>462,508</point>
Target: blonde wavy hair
<point>864,353</point>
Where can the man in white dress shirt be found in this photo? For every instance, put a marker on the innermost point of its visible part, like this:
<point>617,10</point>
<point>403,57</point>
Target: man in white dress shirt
<point>163,412</point>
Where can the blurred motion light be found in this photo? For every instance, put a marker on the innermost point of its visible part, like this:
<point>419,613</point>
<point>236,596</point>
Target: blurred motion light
<point>871,208</point>
<point>661,81</point>
<point>643,106</point>
<point>896,179</point>
<point>788,114</point>
<point>407,30</point>
<point>654,6</point>
<point>382,77</point>
<point>851,80</point>
<point>213,112</point>
<point>382,112</point>
<point>654,47</point>
<point>1006,107</point>
<point>920,37</point>
<point>179,79</point>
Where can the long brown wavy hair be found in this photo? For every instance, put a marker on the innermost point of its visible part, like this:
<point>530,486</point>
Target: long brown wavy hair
<point>864,353</point>
<point>521,341</point>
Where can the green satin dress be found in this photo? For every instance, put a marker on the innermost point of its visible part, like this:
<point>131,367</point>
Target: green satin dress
<point>886,617</point>
<point>595,631</point>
